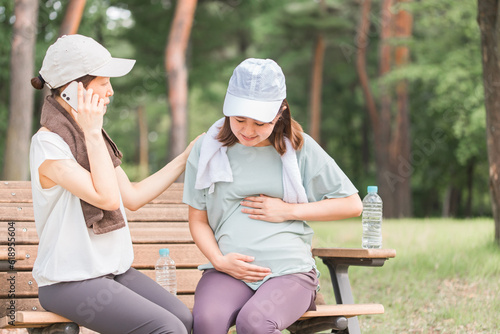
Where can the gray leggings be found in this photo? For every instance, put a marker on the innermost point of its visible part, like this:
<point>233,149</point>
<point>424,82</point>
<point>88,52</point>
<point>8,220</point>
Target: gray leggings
<point>126,303</point>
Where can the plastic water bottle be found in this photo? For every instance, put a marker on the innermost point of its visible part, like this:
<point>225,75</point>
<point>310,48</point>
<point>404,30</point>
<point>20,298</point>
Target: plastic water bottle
<point>372,219</point>
<point>165,271</point>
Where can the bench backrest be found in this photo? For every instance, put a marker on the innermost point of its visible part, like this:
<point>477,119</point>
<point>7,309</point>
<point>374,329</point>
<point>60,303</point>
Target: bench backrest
<point>163,223</point>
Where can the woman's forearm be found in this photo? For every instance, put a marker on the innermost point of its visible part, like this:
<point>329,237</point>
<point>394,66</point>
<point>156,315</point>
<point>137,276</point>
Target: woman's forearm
<point>328,209</point>
<point>143,192</point>
<point>203,235</point>
<point>102,172</point>
<point>137,194</point>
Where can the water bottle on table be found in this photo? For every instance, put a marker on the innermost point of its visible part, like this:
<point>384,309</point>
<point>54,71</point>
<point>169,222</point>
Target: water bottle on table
<point>372,219</point>
<point>165,271</point>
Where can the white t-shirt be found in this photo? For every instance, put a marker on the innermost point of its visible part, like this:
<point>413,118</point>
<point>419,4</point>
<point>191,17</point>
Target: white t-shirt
<point>67,249</point>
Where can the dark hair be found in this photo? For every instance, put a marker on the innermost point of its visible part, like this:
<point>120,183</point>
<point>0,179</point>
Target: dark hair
<point>286,126</point>
<point>38,82</point>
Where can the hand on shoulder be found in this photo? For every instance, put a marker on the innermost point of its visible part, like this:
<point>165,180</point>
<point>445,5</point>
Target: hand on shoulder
<point>191,145</point>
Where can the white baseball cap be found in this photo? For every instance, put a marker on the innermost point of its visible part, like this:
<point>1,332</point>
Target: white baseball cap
<point>74,56</point>
<point>256,90</point>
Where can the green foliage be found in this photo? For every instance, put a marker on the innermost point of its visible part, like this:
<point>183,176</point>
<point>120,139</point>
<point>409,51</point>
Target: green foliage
<point>446,87</point>
<point>444,76</point>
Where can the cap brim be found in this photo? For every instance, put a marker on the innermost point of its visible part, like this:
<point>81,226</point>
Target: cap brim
<point>116,67</point>
<point>263,111</point>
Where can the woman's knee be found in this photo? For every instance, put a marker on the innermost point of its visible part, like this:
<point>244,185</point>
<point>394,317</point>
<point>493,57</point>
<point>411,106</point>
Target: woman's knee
<point>162,326</point>
<point>187,319</point>
<point>210,321</point>
<point>255,322</point>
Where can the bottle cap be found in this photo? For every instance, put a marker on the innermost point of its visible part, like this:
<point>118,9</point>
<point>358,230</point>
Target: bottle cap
<point>372,189</point>
<point>164,251</point>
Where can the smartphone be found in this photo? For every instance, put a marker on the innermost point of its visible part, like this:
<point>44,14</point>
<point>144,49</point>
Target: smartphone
<point>70,94</point>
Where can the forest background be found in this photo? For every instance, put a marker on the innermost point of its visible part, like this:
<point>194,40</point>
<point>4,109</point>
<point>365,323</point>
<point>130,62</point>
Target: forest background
<point>446,162</point>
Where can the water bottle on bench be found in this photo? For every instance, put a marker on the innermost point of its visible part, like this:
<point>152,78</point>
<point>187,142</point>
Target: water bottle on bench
<point>165,271</point>
<point>372,219</point>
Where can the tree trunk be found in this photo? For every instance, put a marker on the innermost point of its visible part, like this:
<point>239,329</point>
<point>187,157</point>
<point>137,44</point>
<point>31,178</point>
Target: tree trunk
<point>175,64</point>
<point>488,25</point>
<point>371,106</point>
<point>452,201</point>
<point>362,41</point>
<point>377,124</point>
<point>143,143</point>
<point>316,88</point>
<point>317,81</point>
<point>72,18</point>
<point>401,139</point>
<point>390,123</point>
<point>69,26</point>
<point>22,64</point>
<point>386,172</point>
<point>470,186</point>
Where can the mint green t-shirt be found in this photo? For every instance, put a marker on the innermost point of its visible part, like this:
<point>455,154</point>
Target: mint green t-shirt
<point>283,247</point>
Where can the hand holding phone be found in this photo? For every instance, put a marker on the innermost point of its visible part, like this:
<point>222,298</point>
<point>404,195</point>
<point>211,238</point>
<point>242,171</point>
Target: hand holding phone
<point>90,117</point>
<point>70,95</point>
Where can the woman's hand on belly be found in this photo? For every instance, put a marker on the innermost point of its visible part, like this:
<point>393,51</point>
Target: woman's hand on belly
<point>267,208</point>
<point>238,266</point>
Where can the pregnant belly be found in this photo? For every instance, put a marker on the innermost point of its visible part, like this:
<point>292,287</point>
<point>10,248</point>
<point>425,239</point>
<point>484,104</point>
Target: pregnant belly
<point>273,245</point>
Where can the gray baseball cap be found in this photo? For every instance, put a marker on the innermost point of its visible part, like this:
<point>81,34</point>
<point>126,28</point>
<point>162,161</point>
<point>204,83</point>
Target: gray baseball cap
<point>256,90</point>
<point>73,56</point>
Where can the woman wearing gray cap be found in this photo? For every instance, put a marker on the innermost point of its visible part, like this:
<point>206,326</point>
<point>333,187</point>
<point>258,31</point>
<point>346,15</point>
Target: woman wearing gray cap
<point>251,182</point>
<point>83,267</point>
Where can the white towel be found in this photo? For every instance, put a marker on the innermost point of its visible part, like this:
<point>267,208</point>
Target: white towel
<point>213,167</point>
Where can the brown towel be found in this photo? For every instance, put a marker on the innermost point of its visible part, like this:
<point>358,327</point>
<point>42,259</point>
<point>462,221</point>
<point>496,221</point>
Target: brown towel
<point>55,118</point>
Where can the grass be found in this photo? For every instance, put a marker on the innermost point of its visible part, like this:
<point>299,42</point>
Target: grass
<point>445,277</point>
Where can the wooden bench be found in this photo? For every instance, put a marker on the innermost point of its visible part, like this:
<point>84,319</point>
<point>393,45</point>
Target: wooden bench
<point>161,223</point>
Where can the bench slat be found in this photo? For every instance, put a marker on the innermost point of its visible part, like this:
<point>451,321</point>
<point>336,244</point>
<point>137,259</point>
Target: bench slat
<point>145,255</point>
<point>33,319</point>
<point>184,256</point>
<point>346,310</point>
<point>23,258</point>
<point>142,232</point>
<point>41,318</point>
<point>15,184</point>
<point>154,233</point>
<point>20,212</point>
<point>152,213</point>
<point>38,317</point>
<point>15,195</point>
<point>4,255</point>
<point>172,195</point>
<point>23,284</point>
<point>23,192</point>
<point>148,213</point>
<point>24,233</point>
